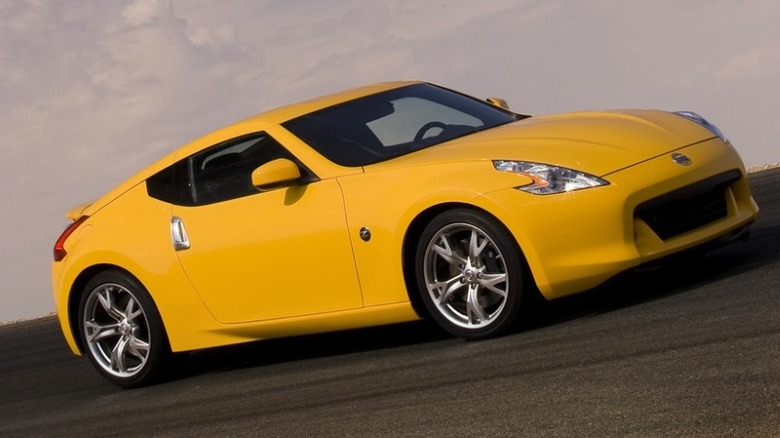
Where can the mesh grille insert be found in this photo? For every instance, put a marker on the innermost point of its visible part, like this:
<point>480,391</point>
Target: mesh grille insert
<point>687,208</point>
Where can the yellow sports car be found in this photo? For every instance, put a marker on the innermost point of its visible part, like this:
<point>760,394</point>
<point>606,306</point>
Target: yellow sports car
<point>383,204</point>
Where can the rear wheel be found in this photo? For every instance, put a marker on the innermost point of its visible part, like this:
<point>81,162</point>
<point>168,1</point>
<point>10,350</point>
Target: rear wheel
<point>470,274</point>
<point>122,331</point>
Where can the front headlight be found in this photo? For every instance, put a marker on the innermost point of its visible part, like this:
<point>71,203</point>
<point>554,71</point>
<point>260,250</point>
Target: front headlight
<point>692,116</point>
<point>547,179</point>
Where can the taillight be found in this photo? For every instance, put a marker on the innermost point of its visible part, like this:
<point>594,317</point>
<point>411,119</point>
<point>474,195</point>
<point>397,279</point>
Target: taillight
<point>59,246</point>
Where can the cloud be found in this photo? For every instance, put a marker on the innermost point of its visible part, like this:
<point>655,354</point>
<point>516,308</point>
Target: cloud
<point>216,36</point>
<point>142,12</point>
<point>762,62</point>
<point>92,91</point>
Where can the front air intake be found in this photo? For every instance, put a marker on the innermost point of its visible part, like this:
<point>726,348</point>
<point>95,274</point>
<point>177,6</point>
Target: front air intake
<point>687,208</point>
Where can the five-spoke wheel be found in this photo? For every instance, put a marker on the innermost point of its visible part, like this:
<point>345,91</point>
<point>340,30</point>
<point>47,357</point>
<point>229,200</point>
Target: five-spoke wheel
<point>121,330</point>
<point>470,274</point>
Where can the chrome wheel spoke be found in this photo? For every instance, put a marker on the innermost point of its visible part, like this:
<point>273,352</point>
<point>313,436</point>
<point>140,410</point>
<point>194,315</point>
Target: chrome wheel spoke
<point>126,347</point>
<point>446,252</point>
<point>475,247</point>
<point>106,300</point>
<point>97,332</point>
<point>475,313</point>
<point>447,288</point>
<point>131,314</point>
<point>138,348</point>
<point>489,282</point>
<point>465,275</point>
<point>116,330</point>
<point>118,355</point>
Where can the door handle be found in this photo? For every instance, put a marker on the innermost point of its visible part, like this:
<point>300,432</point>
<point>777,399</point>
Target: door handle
<point>179,234</point>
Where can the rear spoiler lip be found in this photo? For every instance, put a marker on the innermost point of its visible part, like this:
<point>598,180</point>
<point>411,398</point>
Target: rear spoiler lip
<point>78,211</point>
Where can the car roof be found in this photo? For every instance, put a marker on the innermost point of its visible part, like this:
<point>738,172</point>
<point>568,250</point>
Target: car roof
<point>272,117</point>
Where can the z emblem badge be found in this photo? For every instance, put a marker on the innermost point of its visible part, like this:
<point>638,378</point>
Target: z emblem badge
<point>681,159</point>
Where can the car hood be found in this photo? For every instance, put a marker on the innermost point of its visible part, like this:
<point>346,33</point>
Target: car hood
<point>596,142</point>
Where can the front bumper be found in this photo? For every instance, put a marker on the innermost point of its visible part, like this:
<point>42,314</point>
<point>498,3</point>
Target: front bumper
<point>576,241</point>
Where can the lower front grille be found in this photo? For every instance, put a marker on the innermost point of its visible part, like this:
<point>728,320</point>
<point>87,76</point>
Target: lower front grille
<point>687,208</point>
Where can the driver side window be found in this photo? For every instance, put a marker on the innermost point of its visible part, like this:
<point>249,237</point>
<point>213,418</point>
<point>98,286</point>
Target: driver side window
<point>219,173</point>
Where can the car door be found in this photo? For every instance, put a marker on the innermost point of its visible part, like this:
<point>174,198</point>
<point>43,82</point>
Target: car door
<point>256,255</point>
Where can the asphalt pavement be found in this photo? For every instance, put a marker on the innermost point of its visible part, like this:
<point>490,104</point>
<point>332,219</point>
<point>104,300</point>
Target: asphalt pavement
<point>691,349</point>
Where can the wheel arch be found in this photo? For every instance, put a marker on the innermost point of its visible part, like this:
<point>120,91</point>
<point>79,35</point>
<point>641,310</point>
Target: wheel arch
<point>77,290</point>
<point>412,236</point>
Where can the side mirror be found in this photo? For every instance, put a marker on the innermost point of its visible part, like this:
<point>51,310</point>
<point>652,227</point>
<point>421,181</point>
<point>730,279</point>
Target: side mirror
<point>275,173</point>
<point>499,102</point>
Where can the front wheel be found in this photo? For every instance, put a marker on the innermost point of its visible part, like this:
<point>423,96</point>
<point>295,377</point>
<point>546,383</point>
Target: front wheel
<point>122,331</point>
<point>470,274</point>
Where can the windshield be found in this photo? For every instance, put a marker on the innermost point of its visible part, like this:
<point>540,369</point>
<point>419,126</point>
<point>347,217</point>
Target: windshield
<point>392,123</point>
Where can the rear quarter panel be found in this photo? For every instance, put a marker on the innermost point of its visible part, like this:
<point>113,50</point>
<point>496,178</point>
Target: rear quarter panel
<point>130,233</point>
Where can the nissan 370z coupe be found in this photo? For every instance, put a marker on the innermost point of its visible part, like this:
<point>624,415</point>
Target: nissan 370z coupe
<point>383,204</point>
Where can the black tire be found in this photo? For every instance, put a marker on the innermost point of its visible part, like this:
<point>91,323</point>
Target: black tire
<point>121,330</point>
<point>470,274</point>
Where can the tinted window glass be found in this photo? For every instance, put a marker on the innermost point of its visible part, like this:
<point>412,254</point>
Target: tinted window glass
<point>171,185</point>
<point>219,173</point>
<point>393,123</point>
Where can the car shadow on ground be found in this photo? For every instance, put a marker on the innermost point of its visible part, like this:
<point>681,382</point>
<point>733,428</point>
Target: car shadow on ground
<point>675,277</point>
<point>275,351</point>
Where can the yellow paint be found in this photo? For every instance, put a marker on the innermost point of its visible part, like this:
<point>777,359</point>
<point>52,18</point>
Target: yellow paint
<point>281,253</point>
<point>275,172</point>
<point>290,260</point>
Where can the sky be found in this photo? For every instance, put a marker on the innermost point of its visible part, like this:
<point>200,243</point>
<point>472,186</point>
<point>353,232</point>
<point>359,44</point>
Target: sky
<point>93,91</point>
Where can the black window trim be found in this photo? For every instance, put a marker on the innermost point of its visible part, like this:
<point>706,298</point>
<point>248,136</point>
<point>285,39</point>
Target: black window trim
<point>173,194</point>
